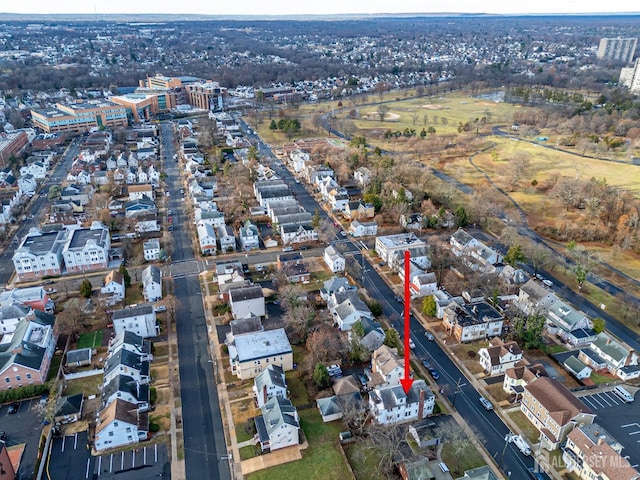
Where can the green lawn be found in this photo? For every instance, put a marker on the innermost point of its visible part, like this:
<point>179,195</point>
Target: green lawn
<point>90,340</point>
<point>249,452</point>
<point>599,378</point>
<point>87,385</point>
<point>529,431</point>
<point>53,368</point>
<point>553,349</point>
<point>364,462</point>
<point>297,388</point>
<point>321,461</point>
<point>459,463</point>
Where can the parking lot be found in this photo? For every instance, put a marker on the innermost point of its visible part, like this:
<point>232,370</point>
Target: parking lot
<point>23,427</point>
<point>70,459</point>
<point>620,419</point>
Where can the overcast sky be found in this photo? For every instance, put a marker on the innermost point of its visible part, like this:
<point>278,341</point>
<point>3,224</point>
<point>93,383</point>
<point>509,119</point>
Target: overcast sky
<point>301,7</point>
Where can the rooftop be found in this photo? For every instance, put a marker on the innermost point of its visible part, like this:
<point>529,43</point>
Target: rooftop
<point>257,345</point>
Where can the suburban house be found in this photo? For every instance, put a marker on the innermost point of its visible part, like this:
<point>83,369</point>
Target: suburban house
<point>591,452</point>
<point>249,238</point>
<point>123,361</point>
<point>297,273</point>
<point>517,377</point>
<point>113,286</point>
<point>132,343</point>
<point>245,301</point>
<point>226,238</point>
<point>8,470</point>
<point>387,367</point>
<point>140,320</point>
<point>562,319</point>
<point>268,384</point>
<point>362,176</point>
<point>363,229</point>
<point>251,353</point>
<point>358,210</point>
<point>33,297</point>
<point>472,322</point>
<point>553,410</point>
<point>136,192</point>
<point>423,285</point>
<point>499,356</point>
<point>335,284</point>
<point>534,298</point>
<point>39,255</point>
<point>151,284</point>
<point>278,426</point>
<point>613,352</point>
<point>346,307</point>
<point>79,358</point>
<point>120,423</point>
<point>333,408</point>
<point>25,353</point>
<point>68,409</point>
<point>151,249</point>
<point>333,259</point>
<point>11,315</point>
<point>389,404</point>
<point>87,249</point>
<point>387,246</point>
<point>373,337</point>
<point>126,388</point>
<point>297,233</point>
<point>576,368</point>
<point>207,238</point>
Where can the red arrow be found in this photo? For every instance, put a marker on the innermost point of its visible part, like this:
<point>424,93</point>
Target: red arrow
<point>407,381</point>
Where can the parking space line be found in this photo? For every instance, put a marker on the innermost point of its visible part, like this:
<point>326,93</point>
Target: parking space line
<point>588,400</point>
<point>614,398</point>
<point>593,399</point>
<point>86,475</point>
<point>637,432</point>
<point>133,459</point>
<point>111,463</point>
<point>63,439</point>
<point>99,465</point>
<point>156,452</point>
<point>75,441</point>
<point>630,425</point>
<point>122,461</point>
<point>144,456</point>
<point>603,398</point>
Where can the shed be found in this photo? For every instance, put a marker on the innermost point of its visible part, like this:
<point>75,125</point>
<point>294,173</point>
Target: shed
<point>79,358</point>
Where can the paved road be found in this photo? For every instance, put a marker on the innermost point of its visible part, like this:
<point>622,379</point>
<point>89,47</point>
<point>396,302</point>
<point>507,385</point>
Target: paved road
<point>204,445</point>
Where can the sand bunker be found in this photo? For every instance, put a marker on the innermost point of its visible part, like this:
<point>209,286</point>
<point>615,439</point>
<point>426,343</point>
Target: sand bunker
<point>430,106</point>
<point>389,116</point>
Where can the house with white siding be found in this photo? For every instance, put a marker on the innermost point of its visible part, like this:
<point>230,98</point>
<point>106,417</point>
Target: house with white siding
<point>152,284</point>
<point>334,260</point>
<point>390,404</point>
<point>120,423</point>
<point>499,356</point>
<point>140,320</point>
<point>268,384</point>
<point>278,426</point>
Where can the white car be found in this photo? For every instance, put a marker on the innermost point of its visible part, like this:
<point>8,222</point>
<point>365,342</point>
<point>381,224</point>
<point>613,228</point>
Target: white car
<point>160,309</point>
<point>412,345</point>
<point>548,283</point>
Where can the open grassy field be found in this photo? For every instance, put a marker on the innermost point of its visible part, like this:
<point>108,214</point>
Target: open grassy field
<point>90,340</point>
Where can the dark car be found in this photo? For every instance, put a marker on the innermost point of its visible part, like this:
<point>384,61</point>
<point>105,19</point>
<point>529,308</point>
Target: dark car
<point>363,379</point>
<point>13,408</point>
<point>425,363</point>
<point>398,298</point>
<point>47,282</point>
<point>434,373</point>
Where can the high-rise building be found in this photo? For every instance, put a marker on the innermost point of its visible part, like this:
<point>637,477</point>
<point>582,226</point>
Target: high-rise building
<point>630,77</point>
<point>620,49</point>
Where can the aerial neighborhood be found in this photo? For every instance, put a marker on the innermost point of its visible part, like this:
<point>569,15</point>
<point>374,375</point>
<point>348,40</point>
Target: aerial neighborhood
<point>418,272</point>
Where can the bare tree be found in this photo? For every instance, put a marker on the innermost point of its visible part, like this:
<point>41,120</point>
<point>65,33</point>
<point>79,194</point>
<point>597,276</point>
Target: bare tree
<point>68,322</point>
<point>325,344</point>
<point>518,169</point>
<point>385,443</point>
<point>538,255</point>
<point>382,111</point>
<point>568,191</point>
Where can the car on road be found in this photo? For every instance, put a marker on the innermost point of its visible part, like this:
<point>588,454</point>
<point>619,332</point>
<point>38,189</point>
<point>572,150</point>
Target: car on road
<point>3,436</point>
<point>398,298</point>
<point>288,249</point>
<point>425,363</point>
<point>304,247</point>
<point>169,212</point>
<point>434,373</point>
<point>539,277</point>
<point>486,403</point>
<point>168,194</point>
<point>170,228</point>
<point>51,291</point>
<point>412,345</point>
<point>429,336</point>
<point>47,282</point>
<point>13,408</point>
<point>548,283</point>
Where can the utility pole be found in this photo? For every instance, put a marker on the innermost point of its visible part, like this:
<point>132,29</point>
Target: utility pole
<point>456,391</point>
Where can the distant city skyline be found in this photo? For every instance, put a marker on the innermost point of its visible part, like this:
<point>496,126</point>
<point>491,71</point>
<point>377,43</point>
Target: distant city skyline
<point>325,7</point>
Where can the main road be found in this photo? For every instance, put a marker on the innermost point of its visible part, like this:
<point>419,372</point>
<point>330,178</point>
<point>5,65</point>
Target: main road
<point>205,451</point>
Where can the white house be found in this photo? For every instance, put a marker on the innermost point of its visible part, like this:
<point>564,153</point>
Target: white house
<point>207,238</point>
<point>151,249</point>
<point>347,308</point>
<point>126,388</point>
<point>226,238</point>
<point>120,423</point>
<point>114,286</point>
<point>138,191</point>
<point>247,301</point>
<point>251,353</point>
<point>292,233</point>
<point>391,405</point>
<point>578,369</point>
<point>249,238</point>
<point>387,246</point>
<point>278,426</point>
<point>37,169</point>
<point>363,229</point>
<point>387,367</point>
<point>27,184</point>
<point>499,356</point>
<point>39,254</point>
<point>333,259</point>
<point>423,285</point>
<point>268,384</point>
<point>362,176</point>
<point>140,320</point>
<point>87,249</point>
<point>151,283</point>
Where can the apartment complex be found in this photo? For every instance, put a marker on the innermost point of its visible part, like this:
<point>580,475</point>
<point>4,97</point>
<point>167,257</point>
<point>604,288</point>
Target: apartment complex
<point>620,49</point>
<point>87,249</point>
<point>80,117</point>
<point>39,255</point>
<point>10,145</point>
<point>630,77</point>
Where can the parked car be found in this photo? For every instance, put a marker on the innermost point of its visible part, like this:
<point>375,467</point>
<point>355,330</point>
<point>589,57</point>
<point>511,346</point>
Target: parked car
<point>412,345</point>
<point>486,403</point>
<point>47,282</point>
<point>288,249</point>
<point>429,336</point>
<point>398,298</point>
<point>363,379</point>
<point>548,283</point>
<point>160,309</point>
<point>425,363</point>
<point>434,373</point>
<point>13,408</point>
<point>51,291</point>
<point>171,228</point>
